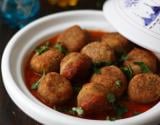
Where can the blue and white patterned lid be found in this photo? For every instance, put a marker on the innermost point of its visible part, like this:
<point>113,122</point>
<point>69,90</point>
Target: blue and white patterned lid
<point>138,20</point>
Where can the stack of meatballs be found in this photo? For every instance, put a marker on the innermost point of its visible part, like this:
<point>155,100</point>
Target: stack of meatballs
<point>61,70</point>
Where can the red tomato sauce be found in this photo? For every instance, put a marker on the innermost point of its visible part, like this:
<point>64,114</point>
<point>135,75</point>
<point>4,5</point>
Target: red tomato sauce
<point>132,107</point>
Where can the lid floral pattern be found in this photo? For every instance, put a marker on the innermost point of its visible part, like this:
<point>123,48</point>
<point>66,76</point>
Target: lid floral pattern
<point>149,16</point>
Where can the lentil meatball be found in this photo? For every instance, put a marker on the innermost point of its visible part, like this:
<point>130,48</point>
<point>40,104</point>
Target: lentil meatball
<point>98,52</point>
<point>144,88</point>
<point>75,65</point>
<point>141,55</point>
<point>113,71</point>
<point>74,38</point>
<point>92,98</point>
<point>54,88</point>
<point>116,41</point>
<point>113,80</point>
<point>47,62</point>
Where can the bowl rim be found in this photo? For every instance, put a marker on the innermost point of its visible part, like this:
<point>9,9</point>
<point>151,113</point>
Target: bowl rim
<point>19,97</point>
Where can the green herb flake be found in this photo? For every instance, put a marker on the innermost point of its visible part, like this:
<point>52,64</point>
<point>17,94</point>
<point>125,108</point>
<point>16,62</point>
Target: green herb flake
<point>118,83</point>
<point>35,85</point>
<point>96,70</point>
<point>61,48</point>
<point>143,66</point>
<point>111,98</point>
<point>127,71</point>
<point>42,48</point>
<point>123,57</point>
<point>78,110</point>
<point>101,64</point>
<point>97,66</point>
<point>120,110</point>
<point>76,89</point>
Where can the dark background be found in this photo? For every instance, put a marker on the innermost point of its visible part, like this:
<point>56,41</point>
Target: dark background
<point>10,114</point>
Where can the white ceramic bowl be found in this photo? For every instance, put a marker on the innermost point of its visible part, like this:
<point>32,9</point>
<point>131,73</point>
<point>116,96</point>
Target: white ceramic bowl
<point>21,45</point>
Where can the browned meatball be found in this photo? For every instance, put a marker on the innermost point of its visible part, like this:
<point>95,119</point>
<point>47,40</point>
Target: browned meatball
<point>74,38</point>
<point>113,71</point>
<point>116,41</point>
<point>54,88</point>
<point>141,55</point>
<point>144,88</point>
<point>47,62</point>
<point>98,52</point>
<point>92,98</point>
<point>75,65</point>
<point>113,79</point>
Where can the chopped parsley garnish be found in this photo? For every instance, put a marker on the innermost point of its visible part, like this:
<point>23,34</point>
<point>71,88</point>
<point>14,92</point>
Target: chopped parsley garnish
<point>97,66</point>
<point>111,98</point>
<point>118,83</point>
<point>127,71</point>
<point>123,57</point>
<point>78,111</point>
<point>35,85</point>
<point>76,88</point>
<point>101,64</point>
<point>61,48</point>
<point>143,66</point>
<point>96,70</point>
<point>119,110</point>
<point>42,48</point>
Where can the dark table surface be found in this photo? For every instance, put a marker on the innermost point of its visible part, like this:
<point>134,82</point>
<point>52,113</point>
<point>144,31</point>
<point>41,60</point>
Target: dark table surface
<point>10,114</point>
